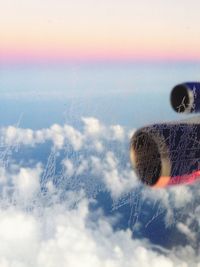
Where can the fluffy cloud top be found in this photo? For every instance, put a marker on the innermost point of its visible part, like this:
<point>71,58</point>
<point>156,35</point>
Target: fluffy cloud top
<point>62,236</point>
<point>94,138</point>
<point>38,228</point>
<point>62,135</point>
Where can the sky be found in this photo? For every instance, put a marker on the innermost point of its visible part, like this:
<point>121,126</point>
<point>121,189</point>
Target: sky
<point>63,30</point>
<point>68,193</point>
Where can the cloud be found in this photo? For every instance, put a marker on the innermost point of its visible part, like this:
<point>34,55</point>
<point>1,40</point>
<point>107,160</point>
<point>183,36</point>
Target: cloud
<point>58,135</point>
<point>94,137</point>
<point>93,133</point>
<point>93,127</point>
<point>117,132</point>
<point>117,180</point>
<point>69,167</point>
<point>52,233</point>
<point>65,236</point>
<point>27,182</point>
<point>19,238</point>
<point>183,228</point>
<point>182,195</point>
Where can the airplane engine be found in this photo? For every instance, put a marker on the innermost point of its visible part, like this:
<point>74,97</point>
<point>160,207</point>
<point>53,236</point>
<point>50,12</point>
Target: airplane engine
<point>185,97</point>
<point>166,154</point>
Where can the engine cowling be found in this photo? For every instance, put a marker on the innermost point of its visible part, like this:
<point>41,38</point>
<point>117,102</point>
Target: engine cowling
<point>166,154</point>
<point>185,97</point>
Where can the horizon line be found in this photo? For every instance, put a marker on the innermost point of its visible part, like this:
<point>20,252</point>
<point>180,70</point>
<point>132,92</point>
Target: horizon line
<point>96,60</point>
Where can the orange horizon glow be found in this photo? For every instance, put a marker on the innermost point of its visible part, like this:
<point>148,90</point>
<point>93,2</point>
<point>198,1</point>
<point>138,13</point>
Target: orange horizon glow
<point>92,30</point>
<point>63,49</point>
<point>62,55</point>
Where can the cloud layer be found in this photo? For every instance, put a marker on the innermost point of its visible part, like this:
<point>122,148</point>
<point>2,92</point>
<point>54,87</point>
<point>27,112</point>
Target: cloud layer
<point>43,223</point>
<point>66,236</point>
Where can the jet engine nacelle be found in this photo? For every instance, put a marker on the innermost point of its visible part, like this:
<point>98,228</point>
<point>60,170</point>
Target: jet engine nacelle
<point>166,154</point>
<point>185,97</point>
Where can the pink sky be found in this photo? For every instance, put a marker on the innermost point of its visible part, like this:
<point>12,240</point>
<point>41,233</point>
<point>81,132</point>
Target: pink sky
<point>99,30</point>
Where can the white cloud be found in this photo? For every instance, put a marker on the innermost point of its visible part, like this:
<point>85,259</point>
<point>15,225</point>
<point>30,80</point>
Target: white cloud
<point>61,236</point>
<point>58,135</point>
<point>182,195</point>
<point>183,228</point>
<point>74,137</point>
<point>83,167</point>
<point>93,134</point>
<point>98,146</point>
<point>12,135</point>
<point>92,138</point>
<point>19,238</point>
<point>117,132</point>
<point>117,181</point>
<point>3,176</point>
<point>93,127</point>
<point>69,167</point>
<point>26,182</point>
<point>56,234</point>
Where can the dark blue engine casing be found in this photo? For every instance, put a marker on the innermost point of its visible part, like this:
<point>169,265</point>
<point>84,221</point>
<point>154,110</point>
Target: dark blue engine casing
<point>185,97</point>
<point>165,150</point>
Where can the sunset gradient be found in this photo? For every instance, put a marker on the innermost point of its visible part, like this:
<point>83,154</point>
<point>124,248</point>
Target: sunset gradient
<point>62,30</point>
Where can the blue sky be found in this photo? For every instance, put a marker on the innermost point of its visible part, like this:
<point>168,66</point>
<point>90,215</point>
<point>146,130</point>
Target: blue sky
<point>132,94</point>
